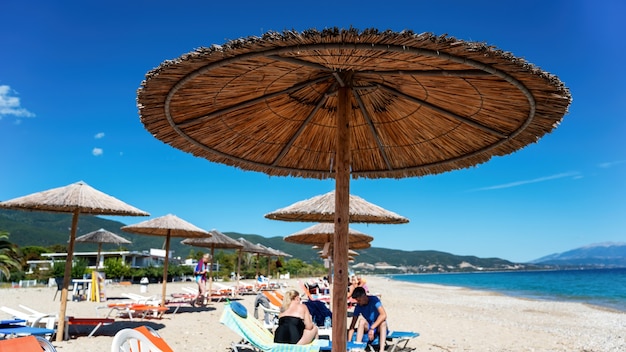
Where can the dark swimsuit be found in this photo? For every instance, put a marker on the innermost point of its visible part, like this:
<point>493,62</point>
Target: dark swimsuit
<point>289,330</point>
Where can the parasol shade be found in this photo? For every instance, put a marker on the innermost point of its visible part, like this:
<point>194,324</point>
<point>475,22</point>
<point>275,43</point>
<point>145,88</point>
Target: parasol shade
<point>320,234</point>
<point>420,104</point>
<point>217,240</point>
<point>102,236</point>
<point>167,226</point>
<point>322,209</point>
<point>348,103</point>
<point>77,198</point>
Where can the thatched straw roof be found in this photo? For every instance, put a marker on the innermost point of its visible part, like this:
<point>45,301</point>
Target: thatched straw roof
<point>250,247</point>
<point>217,240</point>
<point>325,232</point>
<point>168,225</point>
<point>322,209</point>
<point>76,197</point>
<point>102,236</point>
<point>421,104</point>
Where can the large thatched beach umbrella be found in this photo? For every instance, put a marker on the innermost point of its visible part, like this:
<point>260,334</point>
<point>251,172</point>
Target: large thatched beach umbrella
<point>102,236</point>
<point>167,226</point>
<point>322,209</point>
<point>340,103</point>
<point>77,198</point>
<point>217,240</point>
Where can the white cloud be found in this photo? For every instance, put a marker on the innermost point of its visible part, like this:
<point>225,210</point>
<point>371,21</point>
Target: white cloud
<point>97,151</point>
<point>99,135</point>
<point>609,164</point>
<point>10,104</point>
<point>573,174</point>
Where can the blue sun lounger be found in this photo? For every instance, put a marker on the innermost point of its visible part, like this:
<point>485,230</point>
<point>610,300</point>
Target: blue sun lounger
<point>395,341</point>
<point>22,330</point>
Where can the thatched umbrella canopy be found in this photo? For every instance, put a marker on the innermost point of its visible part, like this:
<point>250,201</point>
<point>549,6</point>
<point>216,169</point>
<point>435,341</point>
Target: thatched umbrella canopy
<point>77,198</point>
<point>217,240</point>
<point>167,226</point>
<point>322,209</point>
<point>322,233</point>
<point>248,247</point>
<point>343,102</point>
<point>269,253</point>
<point>102,236</point>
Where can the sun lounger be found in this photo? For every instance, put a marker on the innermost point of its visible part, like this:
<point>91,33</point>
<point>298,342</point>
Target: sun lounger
<point>274,297</point>
<point>26,344</point>
<point>255,336</point>
<point>95,322</point>
<point>140,339</point>
<point>32,317</point>
<point>134,310</point>
<point>396,341</point>
<point>153,300</point>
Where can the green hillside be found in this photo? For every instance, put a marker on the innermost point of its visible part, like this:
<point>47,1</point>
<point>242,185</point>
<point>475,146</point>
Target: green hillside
<point>47,229</point>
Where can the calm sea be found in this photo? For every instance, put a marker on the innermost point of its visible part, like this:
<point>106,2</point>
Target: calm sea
<point>602,287</point>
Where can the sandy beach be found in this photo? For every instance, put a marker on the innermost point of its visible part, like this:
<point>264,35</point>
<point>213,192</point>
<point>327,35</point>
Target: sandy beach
<point>447,318</point>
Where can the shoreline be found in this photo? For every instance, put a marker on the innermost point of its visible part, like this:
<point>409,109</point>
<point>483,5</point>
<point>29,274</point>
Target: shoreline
<point>447,318</point>
<point>601,302</point>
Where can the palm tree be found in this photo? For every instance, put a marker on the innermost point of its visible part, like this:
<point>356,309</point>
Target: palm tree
<point>8,255</point>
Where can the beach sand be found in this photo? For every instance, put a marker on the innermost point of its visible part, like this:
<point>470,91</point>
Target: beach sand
<point>447,318</point>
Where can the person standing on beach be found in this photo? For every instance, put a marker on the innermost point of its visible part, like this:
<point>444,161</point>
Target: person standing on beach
<point>200,273</point>
<point>374,318</point>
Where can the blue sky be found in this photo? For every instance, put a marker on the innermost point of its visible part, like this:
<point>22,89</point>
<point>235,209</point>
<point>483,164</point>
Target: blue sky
<point>69,71</point>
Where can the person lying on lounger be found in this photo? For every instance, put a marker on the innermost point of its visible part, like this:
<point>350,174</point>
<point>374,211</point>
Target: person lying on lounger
<point>374,321</point>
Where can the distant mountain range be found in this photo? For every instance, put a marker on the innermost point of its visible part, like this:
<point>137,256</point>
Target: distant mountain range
<point>608,254</point>
<point>46,229</point>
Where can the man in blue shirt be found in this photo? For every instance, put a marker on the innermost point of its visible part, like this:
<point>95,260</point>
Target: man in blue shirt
<point>374,320</point>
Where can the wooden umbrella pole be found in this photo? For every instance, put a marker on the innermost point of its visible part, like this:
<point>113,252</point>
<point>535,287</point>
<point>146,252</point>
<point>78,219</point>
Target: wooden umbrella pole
<point>258,255</point>
<point>98,256</point>
<point>342,220</point>
<point>165,263</point>
<point>211,274</point>
<point>238,270</point>
<point>66,278</point>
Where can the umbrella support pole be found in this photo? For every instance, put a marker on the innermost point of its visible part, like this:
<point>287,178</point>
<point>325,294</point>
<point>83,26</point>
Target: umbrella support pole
<point>342,220</point>
<point>165,264</point>
<point>66,278</point>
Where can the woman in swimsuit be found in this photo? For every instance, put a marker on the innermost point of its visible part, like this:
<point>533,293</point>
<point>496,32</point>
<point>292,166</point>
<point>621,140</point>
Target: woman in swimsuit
<point>295,324</point>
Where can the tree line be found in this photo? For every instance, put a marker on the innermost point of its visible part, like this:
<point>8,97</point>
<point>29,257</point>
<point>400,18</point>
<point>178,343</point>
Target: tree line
<point>14,267</point>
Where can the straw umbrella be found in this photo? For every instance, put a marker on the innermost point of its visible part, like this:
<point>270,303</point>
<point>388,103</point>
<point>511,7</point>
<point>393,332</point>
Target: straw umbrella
<point>324,233</point>
<point>322,209</point>
<point>77,198</point>
<point>168,226</point>
<point>268,253</point>
<point>102,236</point>
<point>320,234</point>
<point>247,247</point>
<point>217,240</point>
<point>338,103</point>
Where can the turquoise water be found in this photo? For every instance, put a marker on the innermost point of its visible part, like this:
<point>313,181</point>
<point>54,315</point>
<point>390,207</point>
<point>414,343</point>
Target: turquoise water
<point>602,287</point>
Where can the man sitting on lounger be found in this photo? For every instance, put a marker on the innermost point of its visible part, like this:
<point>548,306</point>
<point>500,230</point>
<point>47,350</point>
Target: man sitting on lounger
<point>373,321</point>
